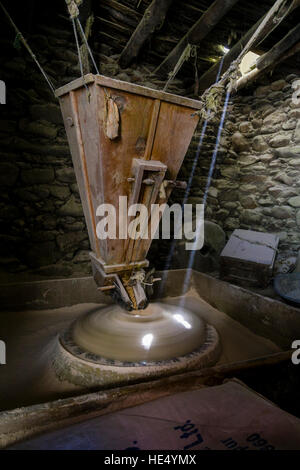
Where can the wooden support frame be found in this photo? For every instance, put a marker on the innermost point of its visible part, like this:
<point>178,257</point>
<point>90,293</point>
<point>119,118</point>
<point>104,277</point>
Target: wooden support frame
<point>199,31</point>
<point>154,15</point>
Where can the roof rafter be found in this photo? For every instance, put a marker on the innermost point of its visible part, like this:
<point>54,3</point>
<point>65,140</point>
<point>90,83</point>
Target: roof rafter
<point>199,31</point>
<point>208,78</point>
<point>153,16</point>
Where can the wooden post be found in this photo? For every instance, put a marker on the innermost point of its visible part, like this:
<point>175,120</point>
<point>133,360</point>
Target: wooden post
<point>154,16</point>
<point>201,28</point>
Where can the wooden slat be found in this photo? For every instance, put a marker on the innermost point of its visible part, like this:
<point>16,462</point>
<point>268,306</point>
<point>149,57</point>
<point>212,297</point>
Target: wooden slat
<point>152,129</point>
<point>118,6</point>
<point>111,25</point>
<point>131,88</point>
<point>154,16</point>
<point>69,109</point>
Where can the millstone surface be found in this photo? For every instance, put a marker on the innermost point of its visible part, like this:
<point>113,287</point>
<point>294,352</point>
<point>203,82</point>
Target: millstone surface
<point>160,332</point>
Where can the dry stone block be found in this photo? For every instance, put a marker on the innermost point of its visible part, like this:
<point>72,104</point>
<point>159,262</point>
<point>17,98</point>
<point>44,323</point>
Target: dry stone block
<point>278,85</point>
<point>280,140</point>
<point>294,114</point>
<point>289,125</point>
<point>283,178</point>
<point>230,172</point>
<point>294,201</point>
<point>261,91</point>
<point>39,128</point>
<point>298,218</point>
<point>282,212</point>
<point>60,192</point>
<point>8,174</point>
<point>248,202</point>
<point>250,217</point>
<point>274,118</point>
<point>245,127</point>
<point>265,201</point>
<point>49,112</point>
<point>288,152</point>
<point>297,133</point>
<point>247,160</point>
<point>70,241</point>
<point>71,208</point>
<point>259,144</point>
<point>256,123</point>
<point>66,175</point>
<point>37,175</point>
<point>239,143</point>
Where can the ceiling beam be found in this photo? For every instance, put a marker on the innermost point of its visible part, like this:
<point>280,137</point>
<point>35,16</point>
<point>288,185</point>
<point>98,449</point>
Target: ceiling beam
<point>279,49</point>
<point>288,46</point>
<point>153,17</point>
<point>209,77</point>
<point>199,31</point>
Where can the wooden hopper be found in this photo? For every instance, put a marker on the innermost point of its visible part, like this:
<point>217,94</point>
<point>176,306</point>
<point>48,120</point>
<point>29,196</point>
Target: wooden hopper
<point>125,140</point>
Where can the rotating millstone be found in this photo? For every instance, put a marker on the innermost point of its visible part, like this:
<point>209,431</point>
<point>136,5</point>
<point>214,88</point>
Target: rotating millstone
<point>158,333</point>
<point>127,143</point>
<point>111,346</point>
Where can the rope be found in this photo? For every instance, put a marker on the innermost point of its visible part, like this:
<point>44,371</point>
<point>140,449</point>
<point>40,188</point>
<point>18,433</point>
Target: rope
<point>87,44</point>
<point>74,13</point>
<point>79,53</point>
<point>73,7</point>
<point>188,52</point>
<point>21,38</point>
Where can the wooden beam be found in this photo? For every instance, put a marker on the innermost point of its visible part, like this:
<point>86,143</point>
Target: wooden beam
<point>209,77</point>
<point>279,49</point>
<point>253,75</point>
<point>154,15</point>
<point>120,12</point>
<point>199,31</point>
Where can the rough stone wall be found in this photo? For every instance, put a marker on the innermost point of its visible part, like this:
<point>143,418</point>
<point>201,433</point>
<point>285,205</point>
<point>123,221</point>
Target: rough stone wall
<point>42,225</point>
<point>256,178</point>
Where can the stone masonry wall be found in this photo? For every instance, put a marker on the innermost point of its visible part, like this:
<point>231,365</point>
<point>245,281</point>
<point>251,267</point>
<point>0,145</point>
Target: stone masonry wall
<point>256,183</point>
<point>41,220</point>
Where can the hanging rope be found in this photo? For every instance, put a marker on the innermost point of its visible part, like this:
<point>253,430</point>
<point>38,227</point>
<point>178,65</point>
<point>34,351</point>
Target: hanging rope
<point>20,39</point>
<point>79,56</point>
<point>73,7</point>
<point>74,15</point>
<point>87,44</point>
<point>189,51</point>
